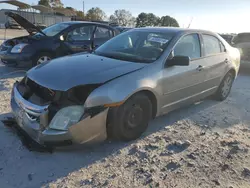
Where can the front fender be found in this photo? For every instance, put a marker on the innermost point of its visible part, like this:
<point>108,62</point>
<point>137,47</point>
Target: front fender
<point>122,88</point>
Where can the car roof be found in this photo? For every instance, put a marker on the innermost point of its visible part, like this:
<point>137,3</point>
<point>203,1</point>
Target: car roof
<point>173,30</point>
<point>84,22</point>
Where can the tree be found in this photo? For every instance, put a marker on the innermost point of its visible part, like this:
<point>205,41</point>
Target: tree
<point>79,13</point>
<point>96,14</point>
<point>70,8</point>
<point>147,19</point>
<point>168,21</point>
<point>122,17</point>
<point>44,3</point>
<point>56,3</point>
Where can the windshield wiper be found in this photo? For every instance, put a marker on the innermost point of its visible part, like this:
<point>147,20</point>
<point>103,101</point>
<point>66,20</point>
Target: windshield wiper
<point>125,58</point>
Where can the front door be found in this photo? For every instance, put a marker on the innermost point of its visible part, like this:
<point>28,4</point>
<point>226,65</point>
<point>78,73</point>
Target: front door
<point>80,39</point>
<point>181,84</point>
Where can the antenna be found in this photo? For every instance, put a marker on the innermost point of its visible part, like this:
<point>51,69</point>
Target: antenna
<point>190,22</point>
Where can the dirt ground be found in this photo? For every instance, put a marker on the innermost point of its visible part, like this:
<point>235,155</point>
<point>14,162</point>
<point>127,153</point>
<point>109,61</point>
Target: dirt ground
<point>204,145</point>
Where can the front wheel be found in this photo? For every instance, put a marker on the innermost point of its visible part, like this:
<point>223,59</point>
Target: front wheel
<point>128,121</point>
<point>225,87</point>
<point>41,58</point>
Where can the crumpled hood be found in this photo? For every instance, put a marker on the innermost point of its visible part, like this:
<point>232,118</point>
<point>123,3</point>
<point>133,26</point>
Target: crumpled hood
<point>67,72</point>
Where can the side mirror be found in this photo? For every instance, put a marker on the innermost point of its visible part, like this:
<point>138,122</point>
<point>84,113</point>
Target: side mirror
<point>62,38</point>
<point>178,61</point>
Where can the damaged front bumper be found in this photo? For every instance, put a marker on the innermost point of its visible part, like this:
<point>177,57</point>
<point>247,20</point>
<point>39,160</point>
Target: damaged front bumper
<point>33,119</point>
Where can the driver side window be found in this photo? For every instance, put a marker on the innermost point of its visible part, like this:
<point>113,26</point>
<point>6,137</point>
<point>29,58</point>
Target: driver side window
<point>81,33</point>
<point>188,45</point>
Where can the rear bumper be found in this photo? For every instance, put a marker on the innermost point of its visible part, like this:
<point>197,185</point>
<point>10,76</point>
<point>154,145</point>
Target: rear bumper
<point>16,60</point>
<point>88,130</point>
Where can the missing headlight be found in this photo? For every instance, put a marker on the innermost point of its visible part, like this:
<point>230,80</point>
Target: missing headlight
<point>79,94</point>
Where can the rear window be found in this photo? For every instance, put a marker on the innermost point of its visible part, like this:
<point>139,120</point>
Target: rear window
<point>211,45</point>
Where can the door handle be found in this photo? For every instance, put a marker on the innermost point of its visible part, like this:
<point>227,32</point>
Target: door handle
<point>199,68</point>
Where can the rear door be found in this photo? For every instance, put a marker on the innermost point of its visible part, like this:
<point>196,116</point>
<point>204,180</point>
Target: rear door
<point>215,58</point>
<point>101,35</point>
<point>80,39</point>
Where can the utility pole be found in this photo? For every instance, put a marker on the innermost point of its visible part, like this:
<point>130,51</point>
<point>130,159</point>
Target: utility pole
<point>83,8</point>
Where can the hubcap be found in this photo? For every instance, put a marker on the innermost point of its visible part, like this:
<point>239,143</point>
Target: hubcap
<point>226,86</point>
<point>135,117</point>
<point>43,59</point>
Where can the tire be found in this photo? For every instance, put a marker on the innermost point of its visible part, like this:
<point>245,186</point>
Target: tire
<point>225,87</point>
<point>44,55</point>
<point>128,121</point>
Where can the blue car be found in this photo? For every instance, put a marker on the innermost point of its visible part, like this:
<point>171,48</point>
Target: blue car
<point>55,41</point>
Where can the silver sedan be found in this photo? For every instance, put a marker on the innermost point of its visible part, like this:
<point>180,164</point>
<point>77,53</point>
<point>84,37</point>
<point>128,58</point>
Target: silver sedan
<point>116,90</point>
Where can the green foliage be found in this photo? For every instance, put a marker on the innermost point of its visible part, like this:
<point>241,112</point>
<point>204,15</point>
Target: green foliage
<point>56,3</point>
<point>79,14</point>
<point>70,8</point>
<point>168,21</point>
<point>95,13</point>
<point>44,3</point>
<point>123,18</point>
<point>149,19</point>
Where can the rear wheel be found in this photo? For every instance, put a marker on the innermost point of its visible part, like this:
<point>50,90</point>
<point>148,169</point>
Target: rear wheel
<point>225,87</point>
<point>41,58</point>
<point>128,121</point>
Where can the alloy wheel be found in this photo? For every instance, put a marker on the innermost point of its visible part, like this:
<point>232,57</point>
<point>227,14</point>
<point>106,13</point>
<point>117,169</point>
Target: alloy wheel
<point>43,59</point>
<point>227,86</point>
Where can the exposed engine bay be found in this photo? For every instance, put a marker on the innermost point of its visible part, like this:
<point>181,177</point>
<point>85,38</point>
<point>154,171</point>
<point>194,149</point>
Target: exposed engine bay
<point>56,100</point>
<point>25,39</point>
<point>15,41</point>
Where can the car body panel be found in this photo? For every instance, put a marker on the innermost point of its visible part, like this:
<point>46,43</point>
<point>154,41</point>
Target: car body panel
<point>40,132</point>
<point>150,76</point>
<point>96,127</point>
<point>171,86</point>
<point>175,85</point>
<point>93,70</point>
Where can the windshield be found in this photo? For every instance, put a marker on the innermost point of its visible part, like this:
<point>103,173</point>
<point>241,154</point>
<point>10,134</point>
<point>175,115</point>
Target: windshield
<point>54,29</point>
<point>136,45</point>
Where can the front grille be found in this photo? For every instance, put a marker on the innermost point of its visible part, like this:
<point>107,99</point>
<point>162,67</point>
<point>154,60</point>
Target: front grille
<point>33,118</point>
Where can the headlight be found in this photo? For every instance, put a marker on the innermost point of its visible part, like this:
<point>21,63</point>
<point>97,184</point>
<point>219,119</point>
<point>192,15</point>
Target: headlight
<point>18,48</point>
<point>66,117</point>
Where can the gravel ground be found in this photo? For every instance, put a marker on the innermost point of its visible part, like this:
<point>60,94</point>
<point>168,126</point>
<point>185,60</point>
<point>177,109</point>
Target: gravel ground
<point>203,145</point>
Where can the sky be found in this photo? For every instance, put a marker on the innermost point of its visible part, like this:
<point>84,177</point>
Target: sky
<point>224,16</point>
